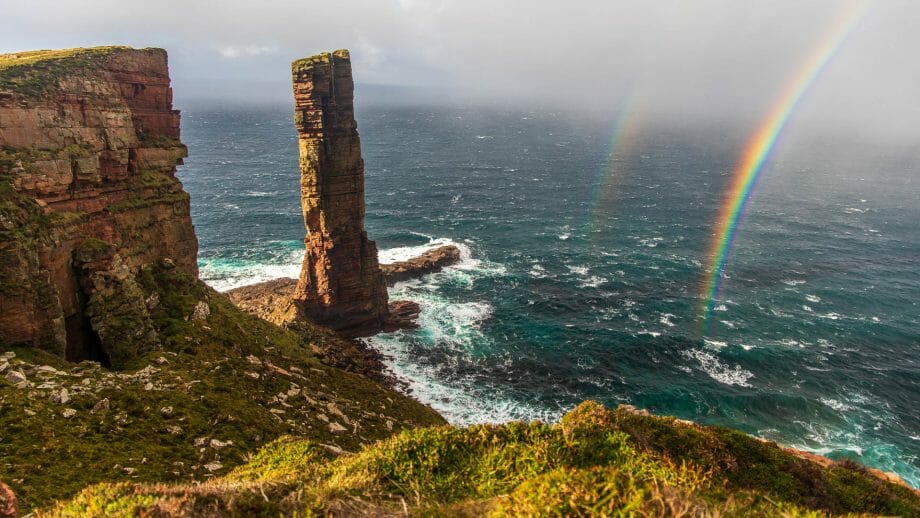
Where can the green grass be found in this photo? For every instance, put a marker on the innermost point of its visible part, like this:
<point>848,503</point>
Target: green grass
<point>32,74</point>
<point>596,462</point>
<point>203,375</point>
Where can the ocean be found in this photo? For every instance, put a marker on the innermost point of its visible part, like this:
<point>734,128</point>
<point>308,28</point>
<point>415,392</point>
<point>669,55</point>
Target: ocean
<point>585,244</point>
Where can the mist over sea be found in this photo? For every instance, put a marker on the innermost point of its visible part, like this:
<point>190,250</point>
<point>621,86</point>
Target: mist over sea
<point>585,245</point>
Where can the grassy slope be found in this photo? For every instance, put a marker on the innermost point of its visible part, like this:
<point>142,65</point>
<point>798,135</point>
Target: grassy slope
<point>218,390</point>
<point>31,74</point>
<point>595,462</point>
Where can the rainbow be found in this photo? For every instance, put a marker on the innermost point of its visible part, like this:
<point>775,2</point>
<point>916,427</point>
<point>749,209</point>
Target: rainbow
<point>758,149</point>
<point>603,190</point>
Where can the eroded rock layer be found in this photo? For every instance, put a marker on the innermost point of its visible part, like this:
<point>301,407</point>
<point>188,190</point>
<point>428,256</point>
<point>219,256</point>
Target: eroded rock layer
<point>89,144</point>
<point>341,285</point>
<point>429,262</point>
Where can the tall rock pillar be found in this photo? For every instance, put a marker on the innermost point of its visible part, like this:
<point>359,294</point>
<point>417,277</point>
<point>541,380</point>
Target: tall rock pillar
<point>341,284</point>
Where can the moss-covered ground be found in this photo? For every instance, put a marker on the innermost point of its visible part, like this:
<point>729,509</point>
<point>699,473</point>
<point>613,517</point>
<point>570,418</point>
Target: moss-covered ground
<point>30,74</point>
<point>596,462</point>
<point>219,388</point>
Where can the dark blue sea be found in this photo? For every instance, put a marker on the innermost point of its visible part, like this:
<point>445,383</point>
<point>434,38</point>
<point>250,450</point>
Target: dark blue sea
<point>585,244</point>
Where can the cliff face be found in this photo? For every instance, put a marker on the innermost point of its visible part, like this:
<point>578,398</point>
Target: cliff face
<point>89,145</point>
<point>340,285</point>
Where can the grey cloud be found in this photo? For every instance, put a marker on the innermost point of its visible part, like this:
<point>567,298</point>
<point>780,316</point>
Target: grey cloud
<point>712,58</point>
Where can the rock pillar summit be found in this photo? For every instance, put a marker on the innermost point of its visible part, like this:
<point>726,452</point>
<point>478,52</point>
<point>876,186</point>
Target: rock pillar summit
<point>341,284</point>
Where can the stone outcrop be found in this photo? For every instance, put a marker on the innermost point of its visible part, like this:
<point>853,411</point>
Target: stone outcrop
<point>89,144</point>
<point>271,300</point>
<point>341,285</point>
<point>430,262</point>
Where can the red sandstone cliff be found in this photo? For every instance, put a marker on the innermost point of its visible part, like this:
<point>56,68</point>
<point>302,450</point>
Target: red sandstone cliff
<point>341,285</point>
<point>89,145</point>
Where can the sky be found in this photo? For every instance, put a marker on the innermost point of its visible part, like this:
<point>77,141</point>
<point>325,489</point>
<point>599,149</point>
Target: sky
<point>677,58</point>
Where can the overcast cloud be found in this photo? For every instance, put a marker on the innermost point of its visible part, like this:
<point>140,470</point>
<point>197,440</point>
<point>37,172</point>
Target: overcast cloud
<point>683,58</point>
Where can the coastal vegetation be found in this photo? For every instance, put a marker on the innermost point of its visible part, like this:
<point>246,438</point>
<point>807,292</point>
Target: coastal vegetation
<point>596,461</point>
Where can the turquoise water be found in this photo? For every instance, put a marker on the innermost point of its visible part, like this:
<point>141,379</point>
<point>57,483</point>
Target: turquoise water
<point>584,258</point>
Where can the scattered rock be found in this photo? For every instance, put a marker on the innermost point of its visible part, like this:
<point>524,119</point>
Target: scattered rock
<point>335,427</point>
<point>253,360</point>
<point>201,441</point>
<point>173,429</point>
<point>253,375</point>
<point>335,450</point>
<point>277,369</point>
<point>218,444</point>
<point>68,413</point>
<point>18,379</point>
<point>166,410</point>
<point>201,311</point>
<point>103,404</point>
<point>7,356</point>
<point>62,397</point>
<point>334,410</point>
<point>213,465</point>
<point>47,370</point>
<point>9,508</point>
<point>403,315</point>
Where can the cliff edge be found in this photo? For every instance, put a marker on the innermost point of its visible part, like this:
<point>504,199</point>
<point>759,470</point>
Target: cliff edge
<point>89,144</point>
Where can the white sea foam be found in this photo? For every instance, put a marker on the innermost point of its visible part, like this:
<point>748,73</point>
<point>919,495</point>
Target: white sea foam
<point>720,307</point>
<point>837,405</point>
<point>592,282</point>
<point>226,275</point>
<point>449,323</point>
<point>813,298</point>
<point>460,401</point>
<point>665,319</point>
<point>715,344</point>
<point>404,253</point>
<point>580,270</point>
<point>711,365</point>
<point>793,282</point>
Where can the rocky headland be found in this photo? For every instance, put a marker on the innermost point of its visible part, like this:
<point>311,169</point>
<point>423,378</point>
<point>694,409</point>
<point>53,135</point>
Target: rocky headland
<point>130,388</point>
<point>116,362</point>
<point>432,261</point>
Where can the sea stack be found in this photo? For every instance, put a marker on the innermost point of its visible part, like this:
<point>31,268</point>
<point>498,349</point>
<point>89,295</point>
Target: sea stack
<point>341,285</point>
